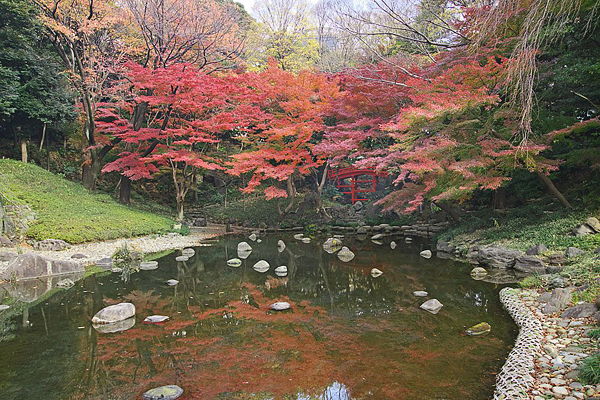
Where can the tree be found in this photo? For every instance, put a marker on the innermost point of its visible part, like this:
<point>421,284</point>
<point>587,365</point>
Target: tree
<point>283,149</point>
<point>191,113</point>
<point>85,35</point>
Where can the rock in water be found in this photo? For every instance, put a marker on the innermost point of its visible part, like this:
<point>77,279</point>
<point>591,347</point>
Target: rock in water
<point>480,329</point>
<point>345,254</point>
<point>280,246</point>
<point>149,265</point>
<point>234,262</point>
<point>252,237</point>
<point>420,293</point>
<point>262,266</point>
<point>332,245</point>
<point>258,240</point>
<point>119,326</point>
<point>169,392</point>
<point>478,273</point>
<point>299,236</point>
<point>155,319</point>
<point>305,240</point>
<point>114,313</point>
<point>281,271</point>
<point>105,262</point>
<point>408,240</point>
<point>280,306</point>
<point>172,282</point>
<point>377,242</point>
<point>433,306</point>
<point>425,254</point>
<point>181,258</point>
<point>188,252</point>
<point>376,272</point>
<point>243,250</point>
<point>393,245</point>
<point>379,236</point>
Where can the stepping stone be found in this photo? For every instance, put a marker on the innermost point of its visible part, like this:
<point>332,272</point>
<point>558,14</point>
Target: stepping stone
<point>262,266</point>
<point>155,319</point>
<point>280,306</point>
<point>169,392</point>
<point>433,306</point>
<point>181,258</point>
<point>305,240</point>
<point>420,293</point>
<point>114,313</point>
<point>480,329</point>
<point>345,254</point>
<point>234,262</point>
<point>281,271</point>
<point>119,326</point>
<point>172,282</point>
<point>299,236</point>
<point>376,272</point>
<point>252,237</point>
<point>280,246</point>
<point>393,245</point>
<point>478,273</point>
<point>188,252</point>
<point>149,265</point>
<point>425,254</point>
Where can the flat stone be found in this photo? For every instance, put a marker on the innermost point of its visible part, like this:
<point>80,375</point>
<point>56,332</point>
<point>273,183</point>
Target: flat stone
<point>583,230</point>
<point>583,310</point>
<point>497,257</point>
<point>420,293</point>
<point>478,273</point>
<point>79,256</point>
<point>558,300</point>
<point>243,250</point>
<point>433,306</point>
<point>530,265</point>
<point>181,258</point>
<point>105,262</point>
<point>280,306</point>
<point>155,319</point>
<point>299,236</point>
<point>252,237</point>
<point>379,236</point>
<point>172,282</point>
<point>114,313</point>
<point>560,390</point>
<point>480,329</point>
<point>188,252</point>
<point>169,392</point>
<point>306,240</point>
<point>65,283</point>
<point>332,245</point>
<point>281,270</point>
<point>234,262</point>
<point>115,327</point>
<point>149,265</point>
<point>345,254</point>
<point>280,246</point>
<point>393,245</point>
<point>593,223</point>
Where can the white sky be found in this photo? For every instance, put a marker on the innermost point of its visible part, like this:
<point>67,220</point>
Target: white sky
<point>248,4</point>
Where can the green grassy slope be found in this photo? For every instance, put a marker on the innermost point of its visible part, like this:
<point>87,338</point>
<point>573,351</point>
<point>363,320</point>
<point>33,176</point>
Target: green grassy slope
<point>65,210</point>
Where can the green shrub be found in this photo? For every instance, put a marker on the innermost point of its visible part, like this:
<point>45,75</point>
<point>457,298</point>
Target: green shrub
<point>589,371</point>
<point>533,281</point>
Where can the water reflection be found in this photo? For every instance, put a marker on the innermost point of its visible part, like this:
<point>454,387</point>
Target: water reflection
<point>347,335</point>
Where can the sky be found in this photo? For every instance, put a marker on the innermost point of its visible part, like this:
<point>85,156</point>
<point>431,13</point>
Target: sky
<point>247,4</point>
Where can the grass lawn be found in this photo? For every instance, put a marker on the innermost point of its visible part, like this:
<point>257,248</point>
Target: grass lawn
<point>65,210</point>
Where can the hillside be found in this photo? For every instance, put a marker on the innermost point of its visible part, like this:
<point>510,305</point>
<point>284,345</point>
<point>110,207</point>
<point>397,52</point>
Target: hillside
<point>65,210</point>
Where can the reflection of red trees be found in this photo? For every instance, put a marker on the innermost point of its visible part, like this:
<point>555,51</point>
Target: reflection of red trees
<point>246,348</point>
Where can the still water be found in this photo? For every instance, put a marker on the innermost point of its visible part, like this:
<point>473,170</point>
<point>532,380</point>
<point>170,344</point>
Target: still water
<point>347,336</point>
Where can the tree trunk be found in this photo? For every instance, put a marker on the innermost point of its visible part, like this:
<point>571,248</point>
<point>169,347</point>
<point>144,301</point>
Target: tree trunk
<point>291,191</point>
<point>500,198</point>
<point>90,169</point>
<point>320,186</point>
<point>448,210</point>
<point>180,213</point>
<point>125,190</point>
<point>553,190</point>
<point>24,150</point>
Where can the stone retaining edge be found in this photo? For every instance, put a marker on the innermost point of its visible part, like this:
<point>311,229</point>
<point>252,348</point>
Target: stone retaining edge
<point>517,375</point>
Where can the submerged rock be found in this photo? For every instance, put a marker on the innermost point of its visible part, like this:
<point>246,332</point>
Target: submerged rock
<point>172,282</point>
<point>234,262</point>
<point>345,254</point>
<point>379,236</point>
<point>252,237</point>
<point>114,313</point>
<point>281,271</point>
<point>188,252</point>
<point>480,329</point>
<point>408,240</point>
<point>280,306</point>
<point>262,266</point>
<point>377,242</point>
<point>305,240</point>
<point>149,265</point>
<point>478,273</point>
<point>299,236</point>
<point>376,272</point>
<point>280,246</point>
<point>181,258</point>
<point>425,254</point>
<point>30,265</point>
<point>420,293</point>
<point>332,245</point>
<point>433,306</point>
<point>115,327</point>
<point>155,319</point>
<point>169,392</point>
<point>393,245</point>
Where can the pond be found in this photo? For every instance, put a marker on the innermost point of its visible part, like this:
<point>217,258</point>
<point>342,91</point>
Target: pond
<point>348,335</point>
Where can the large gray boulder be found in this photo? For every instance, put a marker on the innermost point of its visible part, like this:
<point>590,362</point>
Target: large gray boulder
<point>583,230</point>
<point>573,252</point>
<point>498,257</point>
<point>582,310</point>
<point>593,223</point>
<point>114,313</point>
<point>444,247</point>
<point>530,265</point>
<point>558,300</point>
<point>31,265</point>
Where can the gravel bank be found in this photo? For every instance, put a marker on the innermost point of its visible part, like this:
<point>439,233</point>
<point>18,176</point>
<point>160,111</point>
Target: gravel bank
<point>146,244</point>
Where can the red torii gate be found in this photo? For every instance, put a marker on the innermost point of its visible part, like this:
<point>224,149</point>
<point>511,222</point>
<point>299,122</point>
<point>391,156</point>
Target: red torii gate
<point>339,176</point>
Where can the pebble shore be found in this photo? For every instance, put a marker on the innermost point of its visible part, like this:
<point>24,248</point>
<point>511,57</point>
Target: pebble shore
<point>95,251</point>
<point>565,344</point>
